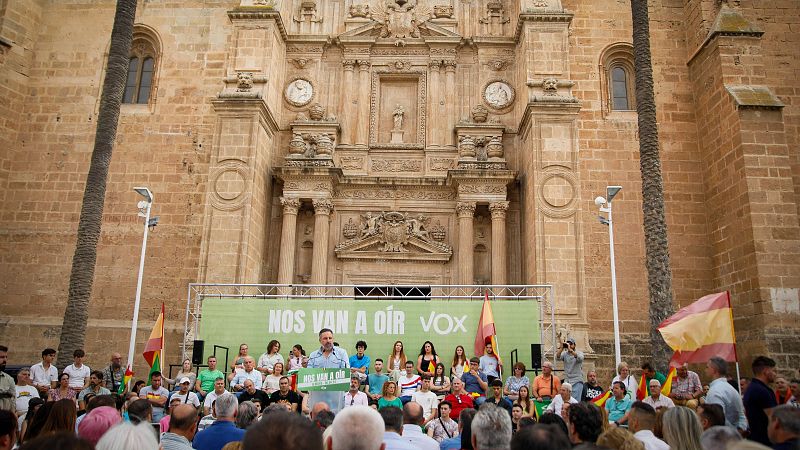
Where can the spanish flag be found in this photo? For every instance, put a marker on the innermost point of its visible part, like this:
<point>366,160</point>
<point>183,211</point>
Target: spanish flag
<point>432,367</point>
<point>667,387</point>
<point>601,399</point>
<point>486,331</point>
<point>126,378</point>
<point>643,390</point>
<point>155,345</point>
<point>701,330</point>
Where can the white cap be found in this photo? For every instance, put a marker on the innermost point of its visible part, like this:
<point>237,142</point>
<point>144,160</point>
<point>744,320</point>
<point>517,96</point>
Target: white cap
<point>185,380</point>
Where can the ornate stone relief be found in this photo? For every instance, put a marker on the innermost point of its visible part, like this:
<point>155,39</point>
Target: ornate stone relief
<point>299,92</point>
<point>311,145</point>
<point>442,164</point>
<point>244,83</point>
<point>498,94</point>
<point>495,14</point>
<point>400,19</point>
<point>393,235</point>
<point>361,11</point>
<point>300,63</point>
<point>482,189</point>
<point>351,162</point>
<point>378,76</point>
<point>443,11</point>
<point>396,165</point>
<point>550,93</point>
<point>394,194</point>
<point>307,12</point>
<point>497,64</point>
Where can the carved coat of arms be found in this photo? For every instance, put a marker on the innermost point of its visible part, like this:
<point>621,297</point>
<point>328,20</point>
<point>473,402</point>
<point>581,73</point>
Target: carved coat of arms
<point>392,235</point>
<point>400,19</point>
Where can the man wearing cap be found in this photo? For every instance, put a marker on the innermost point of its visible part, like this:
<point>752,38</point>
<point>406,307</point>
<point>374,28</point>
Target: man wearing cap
<point>184,395</point>
<point>573,367</point>
<point>475,381</point>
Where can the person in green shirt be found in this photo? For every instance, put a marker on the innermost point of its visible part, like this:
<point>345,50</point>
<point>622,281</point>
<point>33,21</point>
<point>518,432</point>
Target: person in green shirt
<point>206,378</point>
<point>649,373</point>
<point>389,396</point>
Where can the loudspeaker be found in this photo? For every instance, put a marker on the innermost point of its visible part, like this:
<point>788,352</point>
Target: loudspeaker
<point>197,352</point>
<point>536,356</point>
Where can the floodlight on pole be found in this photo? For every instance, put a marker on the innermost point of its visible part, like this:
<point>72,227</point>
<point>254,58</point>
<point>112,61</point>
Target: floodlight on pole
<point>604,203</point>
<point>144,211</point>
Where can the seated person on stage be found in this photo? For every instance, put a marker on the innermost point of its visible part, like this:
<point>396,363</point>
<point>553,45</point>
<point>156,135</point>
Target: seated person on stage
<point>375,382</point>
<point>459,399</point>
<point>686,387</point>
<point>564,397</point>
<point>359,363</point>
<point>248,373</point>
<point>284,396</point>
<point>207,378</point>
<point>475,381</point>
<point>489,364</point>
<point>649,373</point>
<point>591,389</point>
<point>498,399</point>
<point>426,398</point>
<point>268,359</point>
<point>250,392</point>
<point>546,385</point>
<point>389,396</point>
<point>408,382</point>
<point>184,395</point>
<point>618,406</point>
<point>354,396</point>
<point>95,388</point>
<point>219,389</point>
<point>656,399</point>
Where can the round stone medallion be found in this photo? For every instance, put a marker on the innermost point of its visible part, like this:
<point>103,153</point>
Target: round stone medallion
<point>498,94</point>
<point>557,191</point>
<point>299,92</point>
<point>229,185</point>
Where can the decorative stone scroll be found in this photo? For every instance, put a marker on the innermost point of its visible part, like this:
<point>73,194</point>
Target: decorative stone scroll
<point>393,235</point>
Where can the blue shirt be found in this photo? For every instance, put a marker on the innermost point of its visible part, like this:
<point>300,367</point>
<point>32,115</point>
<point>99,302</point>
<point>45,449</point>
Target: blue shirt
<point>375,382</point>
<point>394,441</point>
<point>471,382</point>
<point>617,408</point>
<point>357,363</point>
<point>337,359</point>
<point>453,443</point>
<point>217,435</point>
<point>723,394</point>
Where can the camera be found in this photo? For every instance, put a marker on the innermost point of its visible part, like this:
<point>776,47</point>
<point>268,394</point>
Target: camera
<point>566,345</point>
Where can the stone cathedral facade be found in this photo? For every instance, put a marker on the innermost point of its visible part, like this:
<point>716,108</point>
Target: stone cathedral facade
<point>399,142</point>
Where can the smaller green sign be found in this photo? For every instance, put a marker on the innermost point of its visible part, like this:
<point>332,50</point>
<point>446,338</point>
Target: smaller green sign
<point>323,379</point>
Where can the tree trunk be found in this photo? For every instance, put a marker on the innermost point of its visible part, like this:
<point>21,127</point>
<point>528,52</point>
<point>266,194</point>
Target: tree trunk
<point>659,275</point>
<point>76,314</point>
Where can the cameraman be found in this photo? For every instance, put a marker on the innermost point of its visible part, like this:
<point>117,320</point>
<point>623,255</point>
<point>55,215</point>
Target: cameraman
<point>573,367</point>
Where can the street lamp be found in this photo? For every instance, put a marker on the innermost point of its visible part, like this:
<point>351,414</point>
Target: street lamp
<point>605,207</point>
<point>144,211</point>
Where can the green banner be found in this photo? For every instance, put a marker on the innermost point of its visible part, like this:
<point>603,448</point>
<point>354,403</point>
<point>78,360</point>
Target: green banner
<point>229,322</point>
<point>323,380</point>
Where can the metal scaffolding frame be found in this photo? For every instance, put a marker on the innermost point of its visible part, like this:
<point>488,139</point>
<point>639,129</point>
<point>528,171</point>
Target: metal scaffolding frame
<point>543,294</point>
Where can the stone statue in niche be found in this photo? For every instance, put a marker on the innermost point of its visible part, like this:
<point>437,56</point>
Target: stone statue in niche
<point>398,114</point>
<point>370,225</point>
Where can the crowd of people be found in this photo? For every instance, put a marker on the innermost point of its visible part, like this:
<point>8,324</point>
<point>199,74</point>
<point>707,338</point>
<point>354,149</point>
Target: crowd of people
<point>401,402</point>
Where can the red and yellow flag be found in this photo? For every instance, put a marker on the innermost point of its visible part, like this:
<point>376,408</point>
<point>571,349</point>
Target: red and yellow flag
<point>432,367</point>
<point>126,378</point>
<point>642,391</point>
<point>155,344</point>
<point>486,331</point>
<point>601,399</point>
<point>667,387</point>
<point>701,330</point>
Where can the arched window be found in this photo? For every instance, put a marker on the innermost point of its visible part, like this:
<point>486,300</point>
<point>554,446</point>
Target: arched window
<point>142,65</point>
<point>617,78</point>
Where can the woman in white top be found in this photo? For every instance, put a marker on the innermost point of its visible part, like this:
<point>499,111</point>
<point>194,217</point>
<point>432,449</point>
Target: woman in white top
<point>459,360</point>
<point>273,381</point>
<point>396,361</point>
<point>298,358</point>
<point>564,396</point>
<point>624,375</point>
<point>269,358</point>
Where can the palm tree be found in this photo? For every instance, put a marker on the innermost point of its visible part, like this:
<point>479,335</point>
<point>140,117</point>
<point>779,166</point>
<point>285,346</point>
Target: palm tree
<point>76,315</point>
<point>659,275</point>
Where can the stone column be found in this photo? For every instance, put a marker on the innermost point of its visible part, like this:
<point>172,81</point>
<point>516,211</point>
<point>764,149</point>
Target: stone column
<point>499,266</point>
<point>319,261</point>
<point>450,88</point>
<point>288,238</point>
<point>435,127</point>
<point>362,134</point>
<point>466,214</point>
<point>349,118</point>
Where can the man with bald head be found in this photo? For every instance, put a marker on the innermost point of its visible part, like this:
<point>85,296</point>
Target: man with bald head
<point>114,373</point>
<point>248,373</point>
<point>413,420</point>
<point>182,427</point>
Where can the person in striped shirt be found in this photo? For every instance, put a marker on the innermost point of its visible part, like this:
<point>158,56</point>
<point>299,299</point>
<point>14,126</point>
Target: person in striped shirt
<point>408,382</point>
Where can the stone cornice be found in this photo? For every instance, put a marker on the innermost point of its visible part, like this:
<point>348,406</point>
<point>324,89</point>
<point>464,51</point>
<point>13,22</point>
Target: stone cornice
<point>259,13</point>
<point>241,106</point>
<point>544,16</point>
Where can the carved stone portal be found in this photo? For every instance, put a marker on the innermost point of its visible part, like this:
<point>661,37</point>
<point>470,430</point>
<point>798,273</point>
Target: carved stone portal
<point>393,235</point>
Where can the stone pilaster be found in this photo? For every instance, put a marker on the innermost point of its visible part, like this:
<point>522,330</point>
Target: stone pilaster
<point>349,118</point>
<point>362,130</point>
<point>499,250</point>
<point>319,262</point>
<point>288,238</point>
<point>435,128</point>
<point>450,109</point>
<point>466,217</point>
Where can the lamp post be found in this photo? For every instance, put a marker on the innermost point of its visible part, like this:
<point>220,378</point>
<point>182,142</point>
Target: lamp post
<point>604,203</point>
<point>144,211</point>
